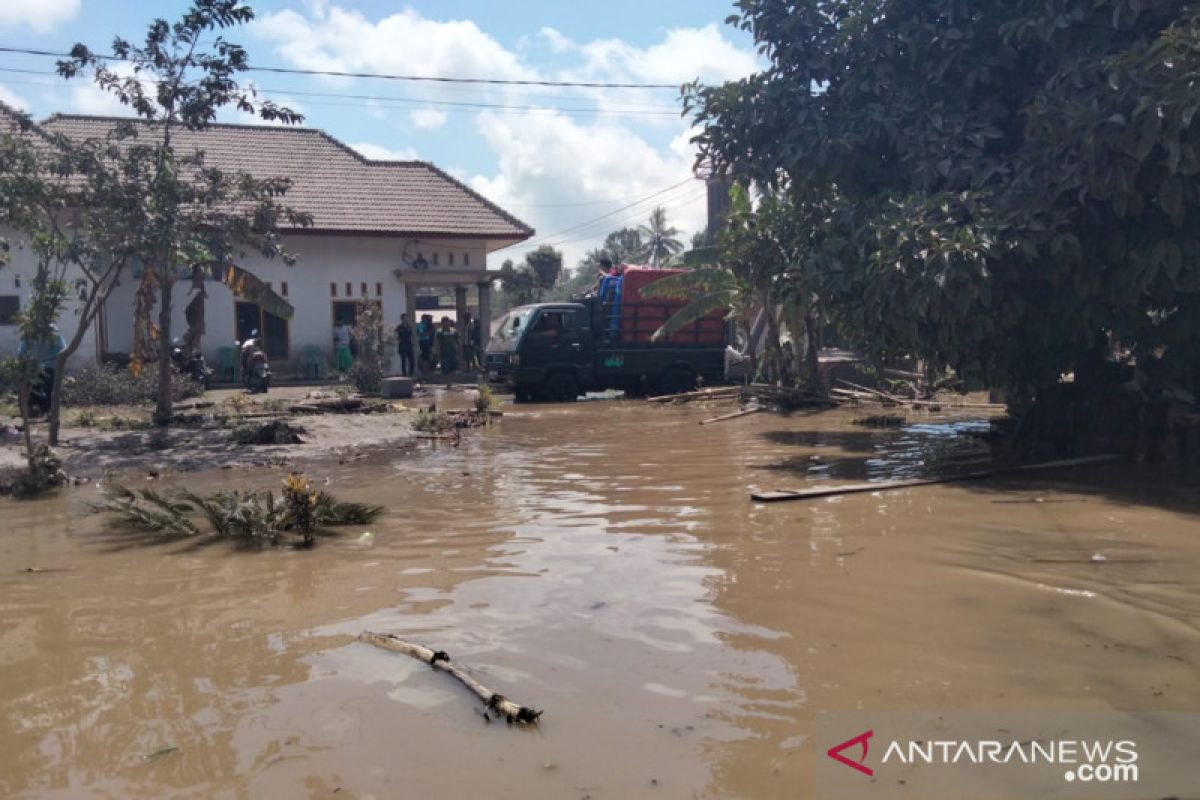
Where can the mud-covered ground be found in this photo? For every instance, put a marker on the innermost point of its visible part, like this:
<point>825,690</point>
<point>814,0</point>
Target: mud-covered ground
<point>122,438</point>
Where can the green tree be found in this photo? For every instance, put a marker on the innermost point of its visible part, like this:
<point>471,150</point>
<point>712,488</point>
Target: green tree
<point>191,212</point>
<point>69,201</point>
<point>546,264</point>
<point>517,284</point>
<point>1008,183</point>
<point>757,267</point>
<point>624,245</point>
<point>661,240</point>
<point>529,282</point>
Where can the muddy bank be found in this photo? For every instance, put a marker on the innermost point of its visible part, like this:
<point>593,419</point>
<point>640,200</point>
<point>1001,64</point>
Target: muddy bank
<point>90,452</point>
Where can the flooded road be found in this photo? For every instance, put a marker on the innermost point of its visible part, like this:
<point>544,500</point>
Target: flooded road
<point>603,562</point>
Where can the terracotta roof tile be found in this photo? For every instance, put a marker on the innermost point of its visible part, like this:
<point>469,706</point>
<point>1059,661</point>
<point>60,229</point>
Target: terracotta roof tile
<point>343,190</point>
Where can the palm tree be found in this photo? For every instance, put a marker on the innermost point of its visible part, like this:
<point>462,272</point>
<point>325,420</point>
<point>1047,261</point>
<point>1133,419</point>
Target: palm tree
<point>755,266</point>
<point>662,241</point>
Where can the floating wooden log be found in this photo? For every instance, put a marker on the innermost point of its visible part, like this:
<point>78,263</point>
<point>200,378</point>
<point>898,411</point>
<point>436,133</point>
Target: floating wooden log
<point>743,413</point>
<point>882,486</point>
<point>891,398</point>
<point>719,393</point>
<point>439,660</point>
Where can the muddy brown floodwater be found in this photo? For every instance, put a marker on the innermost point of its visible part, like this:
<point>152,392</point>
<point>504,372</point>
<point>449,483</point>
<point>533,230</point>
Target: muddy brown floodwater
<point>601,561</point>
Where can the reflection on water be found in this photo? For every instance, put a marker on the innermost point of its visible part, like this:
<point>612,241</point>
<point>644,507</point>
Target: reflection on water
<point>604,562</point>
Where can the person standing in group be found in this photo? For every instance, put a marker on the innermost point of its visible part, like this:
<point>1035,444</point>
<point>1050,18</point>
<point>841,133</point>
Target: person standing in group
<point>404,341</point>
<point>425,333</point>
<point>468,350</point>
<point>341,345</point>
<point>473,343</point>
<point>447,349</point>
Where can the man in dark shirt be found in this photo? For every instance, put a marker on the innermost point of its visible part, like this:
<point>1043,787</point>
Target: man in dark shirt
<point>404,341</point>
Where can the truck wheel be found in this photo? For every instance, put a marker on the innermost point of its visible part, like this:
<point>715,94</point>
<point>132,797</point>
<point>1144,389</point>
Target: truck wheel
<point>677,380</point>
<point>561,387</point>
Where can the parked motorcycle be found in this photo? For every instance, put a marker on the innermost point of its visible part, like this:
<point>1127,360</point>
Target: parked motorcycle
<point>255,365</point>
<point>191,364</point>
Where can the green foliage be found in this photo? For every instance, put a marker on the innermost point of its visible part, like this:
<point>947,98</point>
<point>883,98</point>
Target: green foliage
<point>1004,183</point>
<point>758,263</point>
<point>253,516</point>
<point>115,386</point>
<point>529,282</point>
<point>147,509</point>
<point>485,401</point>
<point>546,265</point>
<point>433,422</point>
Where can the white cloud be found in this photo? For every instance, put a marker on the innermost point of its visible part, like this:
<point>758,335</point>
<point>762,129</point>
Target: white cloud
<point>12,99</point>
<point>378,153</point>
<point>339,39</point>
<point>40,15</point>
<point>557,42</point>
<point>86,97</point>
<point>428,118</point>
<point>552,169</point>
<point>547,171</point>
<point>685,54</point>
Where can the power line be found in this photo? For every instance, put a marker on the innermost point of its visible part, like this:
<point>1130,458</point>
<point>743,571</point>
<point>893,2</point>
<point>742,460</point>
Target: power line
<point>588,224</point>
<point>390,77</point>
<point>676,204</point>
<point>416,102</point>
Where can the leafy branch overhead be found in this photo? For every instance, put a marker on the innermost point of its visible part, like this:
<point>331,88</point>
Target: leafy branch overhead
<point>1006,183</point>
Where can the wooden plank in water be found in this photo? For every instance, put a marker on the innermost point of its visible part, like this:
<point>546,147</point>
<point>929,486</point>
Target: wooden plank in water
<point>743,413</point>
<point>883,486</point>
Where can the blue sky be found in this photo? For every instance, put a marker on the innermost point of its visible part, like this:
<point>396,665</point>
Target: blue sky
<point>567,162</point>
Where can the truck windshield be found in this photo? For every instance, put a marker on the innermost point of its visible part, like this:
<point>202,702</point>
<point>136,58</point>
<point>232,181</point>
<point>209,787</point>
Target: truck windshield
<point>511,325</point>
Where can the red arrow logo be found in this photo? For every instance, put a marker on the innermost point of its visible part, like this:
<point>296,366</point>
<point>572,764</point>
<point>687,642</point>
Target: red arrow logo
<point>862,739</point>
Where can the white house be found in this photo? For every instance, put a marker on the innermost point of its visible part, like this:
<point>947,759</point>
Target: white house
<point>381,230</point>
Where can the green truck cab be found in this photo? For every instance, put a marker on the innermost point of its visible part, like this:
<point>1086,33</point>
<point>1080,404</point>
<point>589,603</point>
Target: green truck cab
<point>558,351</point>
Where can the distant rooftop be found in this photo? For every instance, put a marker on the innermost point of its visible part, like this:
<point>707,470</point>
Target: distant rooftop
<point>342,190</point>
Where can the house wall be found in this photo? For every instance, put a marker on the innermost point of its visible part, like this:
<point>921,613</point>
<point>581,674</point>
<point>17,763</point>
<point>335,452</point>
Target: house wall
<point>322,260</point>
<point>16,278</point>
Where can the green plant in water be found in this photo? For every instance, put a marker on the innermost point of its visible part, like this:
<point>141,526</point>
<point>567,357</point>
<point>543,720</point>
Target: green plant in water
<point>433,422</point>
<point>250,515</point>
<point>486,401</point>
<point>301,502</point>
<point>148,510</point>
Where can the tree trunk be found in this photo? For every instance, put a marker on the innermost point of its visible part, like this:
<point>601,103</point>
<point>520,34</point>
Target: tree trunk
<point>164,410</point>
<point>23,403</point>
<point>774,348</point>
<point>811,352</point>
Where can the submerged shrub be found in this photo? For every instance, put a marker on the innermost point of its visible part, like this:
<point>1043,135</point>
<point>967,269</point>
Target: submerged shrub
<point>257,516</point>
